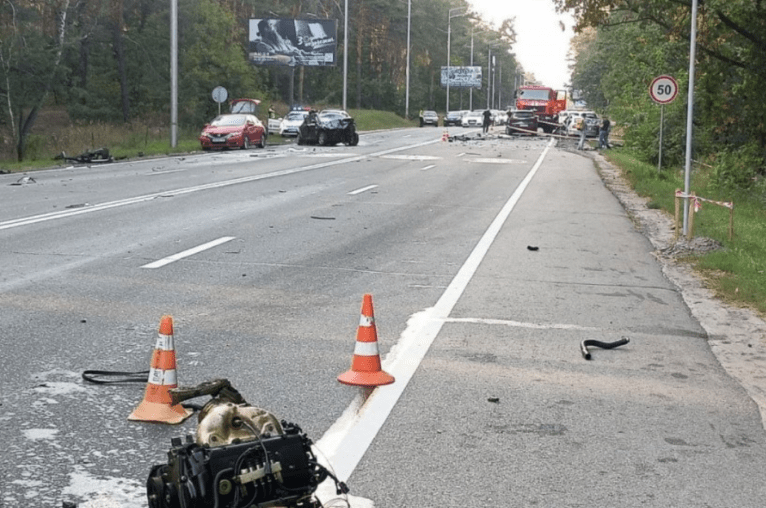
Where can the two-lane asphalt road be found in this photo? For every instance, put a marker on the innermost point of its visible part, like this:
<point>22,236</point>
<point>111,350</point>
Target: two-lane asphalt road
<point>262,257</point>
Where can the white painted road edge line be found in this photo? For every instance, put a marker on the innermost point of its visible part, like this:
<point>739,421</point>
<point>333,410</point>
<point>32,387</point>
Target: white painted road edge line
<point>189,252</point>
<point>363,189</point>
<point>346,441</point>
<point>428,167</point>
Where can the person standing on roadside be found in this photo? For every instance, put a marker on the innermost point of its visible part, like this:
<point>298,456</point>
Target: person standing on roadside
<point>603,134</point>
<point>487,121</point>
<point>581,127</point>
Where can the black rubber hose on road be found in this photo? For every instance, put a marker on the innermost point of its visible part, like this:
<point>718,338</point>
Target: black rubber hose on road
<point>597,343</point>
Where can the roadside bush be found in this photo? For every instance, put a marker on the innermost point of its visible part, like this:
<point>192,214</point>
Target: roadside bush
<point>643,135</point>
<point>36,147</point>
<point>738,169</point>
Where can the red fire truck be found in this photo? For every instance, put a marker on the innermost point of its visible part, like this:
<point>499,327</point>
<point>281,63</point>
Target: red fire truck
<point>546,103</point>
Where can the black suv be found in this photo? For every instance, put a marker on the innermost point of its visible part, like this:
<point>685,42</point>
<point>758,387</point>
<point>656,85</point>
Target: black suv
<point>453,118</point>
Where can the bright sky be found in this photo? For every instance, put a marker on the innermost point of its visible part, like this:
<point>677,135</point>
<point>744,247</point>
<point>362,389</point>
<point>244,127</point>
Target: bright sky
<point>541,47</point>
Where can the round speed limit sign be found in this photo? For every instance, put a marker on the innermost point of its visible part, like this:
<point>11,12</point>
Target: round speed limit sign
<point>220,94</point>
<point>663,89</point>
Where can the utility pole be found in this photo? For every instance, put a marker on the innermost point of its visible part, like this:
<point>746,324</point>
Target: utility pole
<point>690,117</point>
<point>449,33</point>
<point>407,73</point>
<point>345,55</point>
<point>173,73</point>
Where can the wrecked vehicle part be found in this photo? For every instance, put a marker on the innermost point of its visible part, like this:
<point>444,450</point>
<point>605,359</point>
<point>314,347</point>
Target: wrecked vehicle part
<point>242,457</point>
<point>90,156</point>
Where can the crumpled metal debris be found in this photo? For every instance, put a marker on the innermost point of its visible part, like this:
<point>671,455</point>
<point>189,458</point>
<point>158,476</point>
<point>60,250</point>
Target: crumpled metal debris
<point>98,155</point>
<point>24,180</point>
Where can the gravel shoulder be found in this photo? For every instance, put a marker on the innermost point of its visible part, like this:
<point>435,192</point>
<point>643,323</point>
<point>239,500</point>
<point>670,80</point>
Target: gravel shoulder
<point>737,336</point>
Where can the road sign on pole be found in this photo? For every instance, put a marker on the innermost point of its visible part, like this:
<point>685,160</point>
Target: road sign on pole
<point>219,95</point>
<point>663,89</point>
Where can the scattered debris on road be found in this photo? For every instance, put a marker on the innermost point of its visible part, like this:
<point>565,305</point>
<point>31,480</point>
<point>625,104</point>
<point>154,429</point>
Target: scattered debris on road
<point>24,181</point>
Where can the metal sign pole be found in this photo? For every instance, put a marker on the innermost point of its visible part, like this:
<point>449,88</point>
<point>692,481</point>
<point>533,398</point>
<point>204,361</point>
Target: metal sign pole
<point>662,118</point>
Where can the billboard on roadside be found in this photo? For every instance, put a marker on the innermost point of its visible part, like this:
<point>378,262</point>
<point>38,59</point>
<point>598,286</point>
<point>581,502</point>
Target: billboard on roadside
<point>461,77</point>
<point>293,42</point>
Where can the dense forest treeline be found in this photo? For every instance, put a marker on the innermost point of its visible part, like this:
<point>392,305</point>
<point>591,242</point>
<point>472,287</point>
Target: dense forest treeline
<point>109,60</point>
<point>623,44</point>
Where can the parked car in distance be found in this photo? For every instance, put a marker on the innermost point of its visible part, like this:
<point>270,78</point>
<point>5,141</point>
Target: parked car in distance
<point>291,122</point>
<point>233,131</point>
<point>521,121</point>
<point>328,127</point>
<point>429,118</point>
<point>591,119</point>
<point>453,118</point>
<point>499,117</point>
<point>473,118</point>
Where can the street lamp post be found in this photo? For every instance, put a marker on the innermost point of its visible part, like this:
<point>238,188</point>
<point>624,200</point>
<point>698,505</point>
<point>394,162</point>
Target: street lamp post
<point>490,72</point>
<point>173,73</point>
<point>470,90</point>
<point>407,73</point>
<point>690,117</point>
<point>449,33</point>
<point>500,87</point>
<point>345,55</point>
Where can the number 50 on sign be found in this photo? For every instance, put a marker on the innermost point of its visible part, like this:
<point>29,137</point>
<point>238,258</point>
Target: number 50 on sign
<point>663,89</point>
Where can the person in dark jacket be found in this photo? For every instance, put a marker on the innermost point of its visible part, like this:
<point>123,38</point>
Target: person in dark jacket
<point>487,121</point>
<point>603,134</point>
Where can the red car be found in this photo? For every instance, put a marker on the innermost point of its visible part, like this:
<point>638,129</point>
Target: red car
<point>233,131</point>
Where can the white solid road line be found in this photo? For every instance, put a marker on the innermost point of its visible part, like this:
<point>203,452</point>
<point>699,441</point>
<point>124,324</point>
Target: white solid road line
<point>189,252</point>
<point>363,189</point>
<point>34,219</point>
<point>346,441</point>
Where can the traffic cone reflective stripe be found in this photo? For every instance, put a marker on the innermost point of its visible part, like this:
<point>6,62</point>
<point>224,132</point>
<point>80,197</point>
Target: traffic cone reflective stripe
<point>157,405</point>
<point>366,349</point>
<point>365,365</point>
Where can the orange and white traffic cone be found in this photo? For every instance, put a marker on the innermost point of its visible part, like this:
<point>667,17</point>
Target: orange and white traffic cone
<point>365,365</point>
<point>157,405</point>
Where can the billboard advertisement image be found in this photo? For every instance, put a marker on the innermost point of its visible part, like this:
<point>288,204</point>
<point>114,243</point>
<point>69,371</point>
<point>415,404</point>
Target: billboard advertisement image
<point>293,42</point>
<point>461,77</point>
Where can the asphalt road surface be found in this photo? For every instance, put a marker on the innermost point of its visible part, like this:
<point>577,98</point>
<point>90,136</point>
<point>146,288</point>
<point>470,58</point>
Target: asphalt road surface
<point>262,257</point>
